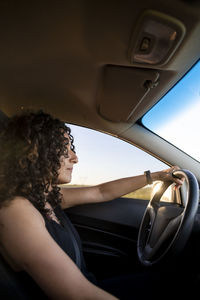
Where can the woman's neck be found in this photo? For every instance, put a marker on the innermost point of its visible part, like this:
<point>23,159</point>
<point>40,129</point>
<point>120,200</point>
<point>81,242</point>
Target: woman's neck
<point>51,214</point>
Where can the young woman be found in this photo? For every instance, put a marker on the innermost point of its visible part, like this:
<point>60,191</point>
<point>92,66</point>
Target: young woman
<point>37,240</point>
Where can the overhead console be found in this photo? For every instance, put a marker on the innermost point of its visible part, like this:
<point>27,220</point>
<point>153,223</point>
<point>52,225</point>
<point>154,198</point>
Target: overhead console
<point>155,38</point>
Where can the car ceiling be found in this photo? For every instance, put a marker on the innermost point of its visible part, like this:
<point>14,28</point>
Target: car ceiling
<point>54,53</point>
<point>72,59</point>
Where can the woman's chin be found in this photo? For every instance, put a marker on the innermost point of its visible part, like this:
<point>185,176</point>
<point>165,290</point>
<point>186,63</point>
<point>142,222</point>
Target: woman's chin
<point>64,180</point>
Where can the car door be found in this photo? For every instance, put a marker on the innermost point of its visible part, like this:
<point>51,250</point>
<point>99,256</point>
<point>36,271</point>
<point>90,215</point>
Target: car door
<point>109,230</point>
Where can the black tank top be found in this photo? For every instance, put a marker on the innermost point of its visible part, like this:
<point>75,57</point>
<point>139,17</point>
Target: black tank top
<point>68,239</point>
<point>62,234</point>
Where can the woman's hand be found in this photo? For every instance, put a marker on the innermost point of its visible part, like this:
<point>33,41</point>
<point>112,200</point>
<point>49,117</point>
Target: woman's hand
<point>167,175</point>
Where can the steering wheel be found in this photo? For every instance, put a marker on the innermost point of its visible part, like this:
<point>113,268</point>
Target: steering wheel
<point>166,229</point>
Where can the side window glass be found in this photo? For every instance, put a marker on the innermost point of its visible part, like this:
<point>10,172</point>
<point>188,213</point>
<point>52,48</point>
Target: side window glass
<point>103,157</point>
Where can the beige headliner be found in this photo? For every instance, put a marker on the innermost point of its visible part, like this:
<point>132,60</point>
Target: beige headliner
<point>53,55</point>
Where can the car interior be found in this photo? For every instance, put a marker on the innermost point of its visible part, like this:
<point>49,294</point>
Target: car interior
<point>103,65</point>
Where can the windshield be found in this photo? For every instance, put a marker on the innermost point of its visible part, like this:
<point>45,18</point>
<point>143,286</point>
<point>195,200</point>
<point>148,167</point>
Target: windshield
<point>176,117</point>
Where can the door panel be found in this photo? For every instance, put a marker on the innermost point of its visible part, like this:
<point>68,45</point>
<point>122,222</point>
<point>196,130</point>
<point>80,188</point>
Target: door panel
<point>109,234</point>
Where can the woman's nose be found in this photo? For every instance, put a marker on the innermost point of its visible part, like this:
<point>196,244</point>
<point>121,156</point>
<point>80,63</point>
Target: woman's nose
<point>73,157</point>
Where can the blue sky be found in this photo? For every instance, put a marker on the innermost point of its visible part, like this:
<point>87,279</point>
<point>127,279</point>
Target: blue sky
<point>176,116</point>
<point>178,99</point>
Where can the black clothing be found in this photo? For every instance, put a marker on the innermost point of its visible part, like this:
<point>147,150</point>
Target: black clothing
<point>62,234</point>
<point>20,285</point>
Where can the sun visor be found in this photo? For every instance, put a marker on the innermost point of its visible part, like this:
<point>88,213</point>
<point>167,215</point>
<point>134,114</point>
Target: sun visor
<point>123,90</point>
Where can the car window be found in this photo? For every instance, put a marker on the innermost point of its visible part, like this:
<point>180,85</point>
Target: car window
<point>103,157</point>
<point>176,116</point>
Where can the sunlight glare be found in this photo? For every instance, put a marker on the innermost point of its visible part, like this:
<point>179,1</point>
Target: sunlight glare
<point>167,196</point>
<point>187,138</point>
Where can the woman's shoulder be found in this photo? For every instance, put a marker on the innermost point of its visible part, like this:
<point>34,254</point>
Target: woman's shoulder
<point>20,221</point>
<point>19,208</point>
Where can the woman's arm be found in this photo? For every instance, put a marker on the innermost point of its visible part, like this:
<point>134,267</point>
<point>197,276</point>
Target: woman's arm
<point>29,247</point>
<point>113,189</point>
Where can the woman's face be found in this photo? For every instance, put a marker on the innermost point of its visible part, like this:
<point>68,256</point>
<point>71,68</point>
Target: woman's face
<point>67,163</point>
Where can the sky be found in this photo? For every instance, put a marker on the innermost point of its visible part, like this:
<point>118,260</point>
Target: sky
<point>176,101</point>
<point>103,158</point>
<point>176,118</point>
<point>186,139</point>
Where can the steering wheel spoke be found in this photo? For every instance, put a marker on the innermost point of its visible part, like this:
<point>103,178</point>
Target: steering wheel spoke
<point>159,237</point>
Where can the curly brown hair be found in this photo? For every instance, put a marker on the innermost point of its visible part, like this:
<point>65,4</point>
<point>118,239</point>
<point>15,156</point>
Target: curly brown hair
<point>31,146</point>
